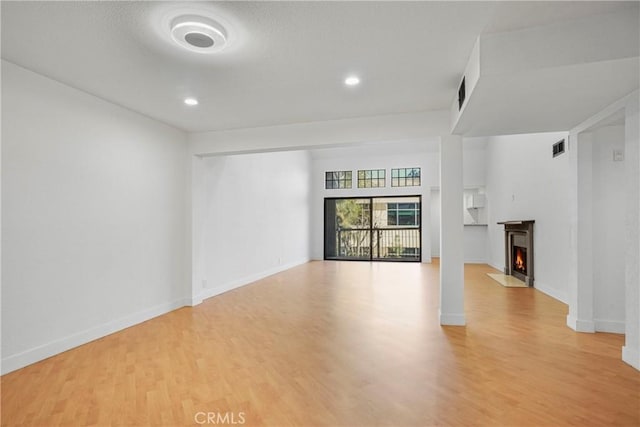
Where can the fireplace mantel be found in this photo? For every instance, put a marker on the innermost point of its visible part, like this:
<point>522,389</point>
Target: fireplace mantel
<point>518,222</point>
<point>518,234</point>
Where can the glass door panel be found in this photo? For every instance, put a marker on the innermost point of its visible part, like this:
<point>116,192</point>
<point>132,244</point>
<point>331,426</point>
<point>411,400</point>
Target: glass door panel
<point>383,228</point>
<point>348,229</point>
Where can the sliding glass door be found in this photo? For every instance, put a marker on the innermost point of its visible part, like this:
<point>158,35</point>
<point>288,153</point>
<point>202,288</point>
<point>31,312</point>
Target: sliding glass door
<point>373,229</point>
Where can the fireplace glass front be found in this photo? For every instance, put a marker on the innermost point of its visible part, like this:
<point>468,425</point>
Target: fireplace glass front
<point>519,259</point>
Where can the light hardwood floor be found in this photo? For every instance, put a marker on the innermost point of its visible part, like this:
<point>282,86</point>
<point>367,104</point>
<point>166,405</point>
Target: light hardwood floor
<point>339,344</point>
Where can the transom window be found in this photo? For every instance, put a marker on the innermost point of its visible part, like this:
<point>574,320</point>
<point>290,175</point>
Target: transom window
<point>372,178</point>
<point>403,214</point>
<point>338,179</point>
<point>405,177</point>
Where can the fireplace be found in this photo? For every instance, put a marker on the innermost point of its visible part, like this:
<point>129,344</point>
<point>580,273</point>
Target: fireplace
<point>518,249</point>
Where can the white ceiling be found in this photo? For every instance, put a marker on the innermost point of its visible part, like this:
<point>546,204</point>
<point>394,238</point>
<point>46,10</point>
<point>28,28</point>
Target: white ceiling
<point>286,65</point>
<point>554,76</point>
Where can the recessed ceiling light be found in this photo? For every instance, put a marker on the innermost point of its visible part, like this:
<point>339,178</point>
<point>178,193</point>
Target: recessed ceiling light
<point>198,33</point>
<point>191,101</point>
<point>352,81</point>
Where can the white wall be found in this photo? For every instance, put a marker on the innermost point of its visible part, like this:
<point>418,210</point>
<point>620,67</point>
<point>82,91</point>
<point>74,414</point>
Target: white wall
<point>474,178</point>
<point>475,244</point>
<point>631,349</point>
<point>608,218</point>
<point>475,236</point>
<point>423,154</point>
<point>256,218</point>
<point>524,182</point>
<point>93,217</point>
<point>474,162</point>
<point>474,175</point>
<point>435,222</point>
<point>582,291</point>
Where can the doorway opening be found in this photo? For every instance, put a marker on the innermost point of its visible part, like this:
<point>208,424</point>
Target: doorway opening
<point>373,228</point>
<point>603,195</point>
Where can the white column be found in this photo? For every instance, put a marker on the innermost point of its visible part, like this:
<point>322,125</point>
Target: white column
<point>631,349</point>
<point>572,195</point>
<point>451,232</point>
<point>198,198</point>
<point>580,317</point>
<point>426,225</point>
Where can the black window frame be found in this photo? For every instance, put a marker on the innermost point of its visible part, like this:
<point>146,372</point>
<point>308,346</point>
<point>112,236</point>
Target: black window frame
<point>338,180</point>
<point>368,177</point>
<point>328,255</point>
<point>394,211</point>
<point>406,177</point>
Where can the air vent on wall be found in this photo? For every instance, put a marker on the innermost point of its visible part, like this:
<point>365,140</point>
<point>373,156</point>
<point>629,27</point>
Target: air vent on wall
<point>558,148</point>
<point>461,95</point>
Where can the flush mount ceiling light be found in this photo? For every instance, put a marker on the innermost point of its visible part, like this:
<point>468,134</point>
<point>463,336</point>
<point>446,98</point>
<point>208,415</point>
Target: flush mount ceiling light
<point>198,33</point>
<point>191,101</point>
<point>198,27</point>
<point>352,81</point>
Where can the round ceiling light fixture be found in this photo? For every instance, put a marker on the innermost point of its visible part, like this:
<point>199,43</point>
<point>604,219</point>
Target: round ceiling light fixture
<point>191,101</point>
<point>352,81</point>
<point>198,33</point>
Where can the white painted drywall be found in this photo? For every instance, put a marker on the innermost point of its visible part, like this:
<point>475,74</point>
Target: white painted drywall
<point>451,310</point>
<point>576,41</point>
<point>435,222</point>
<point>331,133</point>
<point>474,162</point>
<point>475,244</point>
<point>631,349</point>
<point>421,154</point>
<point>608,240</point>
<point>471,76</point>
<point>93,217</point>
<point>256,217</point>
<point>524,182</point>
<point>582,247</point>
<point>475,237</point>
<point>474,178</point>
<point>386,156</point>
<point>580,278</point>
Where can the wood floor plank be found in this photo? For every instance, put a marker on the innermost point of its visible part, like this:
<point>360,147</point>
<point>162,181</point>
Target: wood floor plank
<point>339,344</point>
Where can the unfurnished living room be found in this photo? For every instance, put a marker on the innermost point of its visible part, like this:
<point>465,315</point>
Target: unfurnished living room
<point>320,213</point>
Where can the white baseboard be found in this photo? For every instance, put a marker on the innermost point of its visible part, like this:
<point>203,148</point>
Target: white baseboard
<point>452,319</point>
<point>226,287</point>
<point>475,261</point>
<point>499,268</point>
<point>552,292</point>
<point>631,356</point>
<point>193,301</point>
<point>28,357</point>
<point>579,325</point>
<point>610,326</point>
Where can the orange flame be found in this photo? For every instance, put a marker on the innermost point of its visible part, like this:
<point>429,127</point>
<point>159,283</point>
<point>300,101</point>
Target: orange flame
<point>519,261</point>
